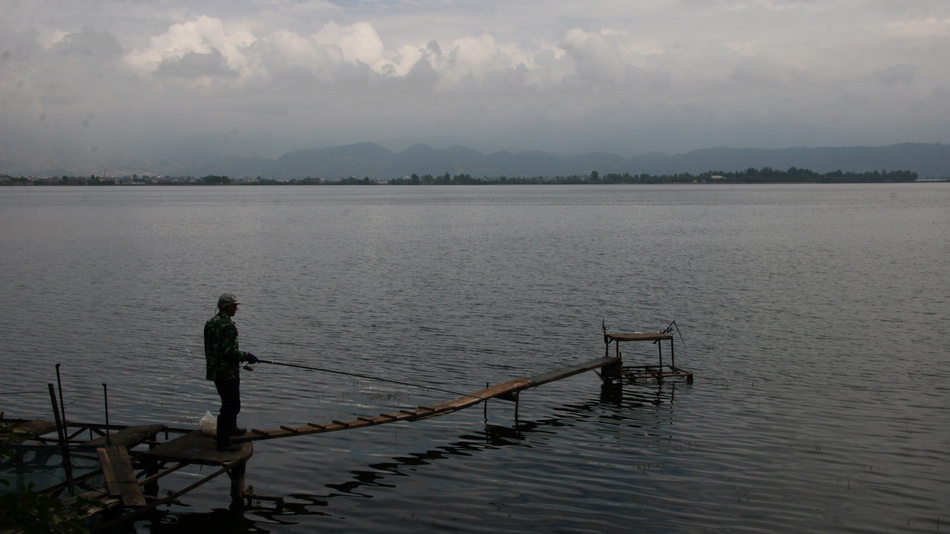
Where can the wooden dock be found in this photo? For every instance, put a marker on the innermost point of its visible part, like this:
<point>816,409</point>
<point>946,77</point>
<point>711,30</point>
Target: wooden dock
<point>619,372</point>
<point>131,474</point>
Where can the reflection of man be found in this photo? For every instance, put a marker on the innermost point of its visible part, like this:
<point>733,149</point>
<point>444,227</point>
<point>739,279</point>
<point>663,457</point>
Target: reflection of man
<point>223,367</point>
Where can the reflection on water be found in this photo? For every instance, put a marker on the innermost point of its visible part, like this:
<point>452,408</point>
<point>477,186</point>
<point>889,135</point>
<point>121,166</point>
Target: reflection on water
<point>617,405</point>
<point>814,316</point>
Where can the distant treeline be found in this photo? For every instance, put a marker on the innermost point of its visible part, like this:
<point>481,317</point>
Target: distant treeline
<point>748,176</point>
<point>764,175</point>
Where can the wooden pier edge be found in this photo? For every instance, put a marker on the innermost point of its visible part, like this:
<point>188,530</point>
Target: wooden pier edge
<point>116,454</point>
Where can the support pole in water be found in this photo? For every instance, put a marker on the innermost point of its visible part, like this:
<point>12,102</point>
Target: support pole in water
<point>105,394</point>
<point>62,407</point>
<point>63,446</point>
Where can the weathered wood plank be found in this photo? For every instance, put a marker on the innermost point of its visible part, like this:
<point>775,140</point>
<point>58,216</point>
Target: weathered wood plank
<point>119,475</point>
<point>200,448</point>
<point>27,430</point>
<point>559,374</point>
<point>639,336</point>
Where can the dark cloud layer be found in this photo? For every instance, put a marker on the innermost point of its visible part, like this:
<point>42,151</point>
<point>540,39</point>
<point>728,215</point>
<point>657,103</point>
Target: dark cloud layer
<point>112,84</point>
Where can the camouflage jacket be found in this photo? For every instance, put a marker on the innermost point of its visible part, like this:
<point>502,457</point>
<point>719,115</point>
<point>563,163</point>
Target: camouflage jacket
<point>221,349</point>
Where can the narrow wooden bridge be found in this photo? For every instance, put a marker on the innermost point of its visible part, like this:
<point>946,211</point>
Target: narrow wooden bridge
<point>128,470</point>
<point>508,390</point>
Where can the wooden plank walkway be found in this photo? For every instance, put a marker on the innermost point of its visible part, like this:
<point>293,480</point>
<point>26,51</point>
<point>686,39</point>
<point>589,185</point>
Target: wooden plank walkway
<point>507,390</point>
<point>195,447</point>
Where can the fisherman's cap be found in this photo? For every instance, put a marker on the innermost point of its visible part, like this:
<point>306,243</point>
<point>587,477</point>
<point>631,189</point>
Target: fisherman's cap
<point>226,300</point>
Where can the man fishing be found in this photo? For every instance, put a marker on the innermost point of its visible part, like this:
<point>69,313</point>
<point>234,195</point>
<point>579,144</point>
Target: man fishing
<point>223,360</point>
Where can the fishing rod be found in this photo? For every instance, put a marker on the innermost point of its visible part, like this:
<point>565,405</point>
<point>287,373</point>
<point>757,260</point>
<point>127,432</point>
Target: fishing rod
<point>669,329</point>
<point>357,375</point>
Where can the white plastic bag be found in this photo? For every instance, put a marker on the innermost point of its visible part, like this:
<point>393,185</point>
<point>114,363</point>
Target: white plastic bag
<point>209,424</point>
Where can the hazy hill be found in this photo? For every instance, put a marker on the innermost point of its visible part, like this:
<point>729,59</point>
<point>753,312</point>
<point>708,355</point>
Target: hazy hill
<point>375,161</point>
<point>372,160</point>
<point>202,156</point>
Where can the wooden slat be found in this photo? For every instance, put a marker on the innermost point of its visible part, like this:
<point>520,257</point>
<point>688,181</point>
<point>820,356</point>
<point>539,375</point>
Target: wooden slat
<point>119,475</point>
<point>650,336</point>
<point>570,371</point>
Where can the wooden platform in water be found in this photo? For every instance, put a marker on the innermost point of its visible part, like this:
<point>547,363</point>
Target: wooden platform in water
<point>197,448</point>
<point>652,372</point>
<point>18,431</point>
<point>126,487</point>
<point>638,336</point>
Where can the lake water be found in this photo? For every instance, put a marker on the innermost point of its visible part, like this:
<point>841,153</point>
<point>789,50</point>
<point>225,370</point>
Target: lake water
<point>813,316</point>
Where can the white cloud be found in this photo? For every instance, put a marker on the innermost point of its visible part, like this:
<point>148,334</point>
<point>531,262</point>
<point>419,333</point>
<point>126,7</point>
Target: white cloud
<point>472,58</point>
<point>596,55</point>
<point>197,53</point>
<point>358,43</point>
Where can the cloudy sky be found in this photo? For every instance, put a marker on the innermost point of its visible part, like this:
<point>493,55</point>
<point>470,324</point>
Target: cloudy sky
<point>131,78</point>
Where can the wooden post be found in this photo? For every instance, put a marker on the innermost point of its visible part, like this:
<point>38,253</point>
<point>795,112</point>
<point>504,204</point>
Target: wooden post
<point>63,445</point>
<point>237,483</point>
<point>613,371</point>
<point>672,355</point>
<point>151,469</point>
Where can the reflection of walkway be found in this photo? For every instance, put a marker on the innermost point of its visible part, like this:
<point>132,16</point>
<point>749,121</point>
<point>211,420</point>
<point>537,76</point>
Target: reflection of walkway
<point>366,480</point>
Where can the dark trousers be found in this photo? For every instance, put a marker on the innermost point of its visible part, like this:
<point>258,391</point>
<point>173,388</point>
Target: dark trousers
<point>230,393</point>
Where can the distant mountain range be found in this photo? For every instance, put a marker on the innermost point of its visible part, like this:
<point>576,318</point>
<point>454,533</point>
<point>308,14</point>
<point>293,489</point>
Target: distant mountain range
<point>377,162</point>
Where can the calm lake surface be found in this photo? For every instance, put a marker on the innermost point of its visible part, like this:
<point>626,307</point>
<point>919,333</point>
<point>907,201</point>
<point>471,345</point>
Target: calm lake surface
<point>814,317</point>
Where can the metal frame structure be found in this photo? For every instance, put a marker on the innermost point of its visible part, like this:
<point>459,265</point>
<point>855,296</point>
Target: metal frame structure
<point>659,372</point>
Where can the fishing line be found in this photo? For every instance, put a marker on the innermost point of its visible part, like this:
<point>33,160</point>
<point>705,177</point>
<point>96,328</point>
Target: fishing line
<point>357,375</point>
<point>680,335</point>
